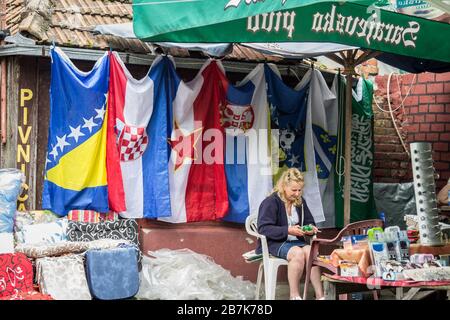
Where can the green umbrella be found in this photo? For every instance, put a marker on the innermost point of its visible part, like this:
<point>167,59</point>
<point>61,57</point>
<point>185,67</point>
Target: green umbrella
<point>361,23</point>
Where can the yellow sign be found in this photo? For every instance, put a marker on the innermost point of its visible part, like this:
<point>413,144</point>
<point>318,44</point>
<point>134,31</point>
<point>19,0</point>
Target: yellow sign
<point>23,146</point>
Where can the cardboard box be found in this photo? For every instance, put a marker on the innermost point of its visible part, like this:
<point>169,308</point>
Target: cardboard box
<point>349,269</point>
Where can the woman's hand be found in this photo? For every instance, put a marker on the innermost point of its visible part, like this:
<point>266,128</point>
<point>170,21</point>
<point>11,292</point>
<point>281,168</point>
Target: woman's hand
<point>314,230</point>
<point>296,231</point>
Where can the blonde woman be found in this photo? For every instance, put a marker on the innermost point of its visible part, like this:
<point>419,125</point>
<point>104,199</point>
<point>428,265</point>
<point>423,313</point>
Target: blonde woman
<point>280,218</point>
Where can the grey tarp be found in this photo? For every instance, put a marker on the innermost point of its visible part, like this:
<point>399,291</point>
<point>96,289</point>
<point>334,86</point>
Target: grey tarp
<point>395,200</point>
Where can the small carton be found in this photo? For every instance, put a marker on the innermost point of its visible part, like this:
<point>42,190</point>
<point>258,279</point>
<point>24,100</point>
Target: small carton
<point>349,269</point>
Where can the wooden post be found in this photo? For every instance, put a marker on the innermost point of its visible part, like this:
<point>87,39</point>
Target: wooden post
<point>348,147</point>
<point>349,71</point>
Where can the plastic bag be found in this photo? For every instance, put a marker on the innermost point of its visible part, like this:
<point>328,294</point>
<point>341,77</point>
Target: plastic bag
<point>10,187</point>
<point>187,275</point>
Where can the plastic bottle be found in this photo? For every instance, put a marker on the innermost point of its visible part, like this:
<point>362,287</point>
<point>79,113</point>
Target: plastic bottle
<point>382,217</point>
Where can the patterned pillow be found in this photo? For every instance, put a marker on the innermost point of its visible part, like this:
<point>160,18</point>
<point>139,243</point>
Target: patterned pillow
<point>45,232</point>
<point>24,218</point>
<point>63,277</point>
<point>91,216</point>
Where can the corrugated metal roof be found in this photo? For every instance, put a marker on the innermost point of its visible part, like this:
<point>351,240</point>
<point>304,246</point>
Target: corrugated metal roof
<point>71,22</point>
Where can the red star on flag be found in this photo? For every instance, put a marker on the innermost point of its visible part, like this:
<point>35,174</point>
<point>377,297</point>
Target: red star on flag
<point>184,145</point>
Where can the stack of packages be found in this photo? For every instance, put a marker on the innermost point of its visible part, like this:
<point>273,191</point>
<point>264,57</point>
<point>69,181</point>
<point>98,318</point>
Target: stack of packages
<point>69,254</point>
<point>16,271</point>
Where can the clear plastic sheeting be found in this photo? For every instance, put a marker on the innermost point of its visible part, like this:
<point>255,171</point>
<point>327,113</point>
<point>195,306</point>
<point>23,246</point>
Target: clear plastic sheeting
<point>187,275</point>
<point>396,200</point>
<point>10,186</point>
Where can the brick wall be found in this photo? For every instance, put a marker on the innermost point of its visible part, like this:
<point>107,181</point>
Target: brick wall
<point>425,116</point>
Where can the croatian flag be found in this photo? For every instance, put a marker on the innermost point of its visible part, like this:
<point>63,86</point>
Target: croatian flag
<point>198,190</point>
<point>245,117</point>
<point>138,126</point>
<point>75,169</point>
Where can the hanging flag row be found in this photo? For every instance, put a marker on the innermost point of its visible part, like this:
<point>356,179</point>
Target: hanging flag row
<point>180,151</point>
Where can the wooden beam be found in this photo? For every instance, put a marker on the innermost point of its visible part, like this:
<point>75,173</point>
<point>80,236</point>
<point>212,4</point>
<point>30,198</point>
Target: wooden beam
<point>367,55</point>
<point>335,58</point>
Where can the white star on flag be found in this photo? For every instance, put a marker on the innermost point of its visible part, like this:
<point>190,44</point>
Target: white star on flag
<point>294,160</point>
<point>89,124</point>
<point>100,113</point>
<point>54,152</point>
<point>75,133</point>
<point>61,143</point>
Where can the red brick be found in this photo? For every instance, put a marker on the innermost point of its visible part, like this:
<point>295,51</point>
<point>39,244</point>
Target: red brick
<point>441,165</point>
<point>426,77</point>
<point>416,89</point>
<point>424,127</point>
<point>412,101</point>
<point>405,165</point>
<point>437,127</point>
<point>413,128</point>
<point>381,172</point>
<point>423,108</point>
<point>385,147</point>
<point>447,108</point>
<point>435,88</point>
<point>430,118</point>
<point>443,76</point>
<point>445,137</point>
<point>419,137</point>
<point>432,137</point>
<point>427,99</point>
<point>398,173</point>
<point>413,110</point>
<point>408,78</point>
<point>443,118</point>
<point>419,118</point>
<point>443,98</point>
<point>437,108</point>
<point>447,127</point>
<point>397,156</point>
<point>436,156</point>
<point>447,87</point>
<point>440,146</point>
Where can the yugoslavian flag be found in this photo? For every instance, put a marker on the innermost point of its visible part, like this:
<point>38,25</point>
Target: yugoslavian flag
<point>245,117</point>
<point>291,115</point>
<point>139,125</point>
<point>198,188</point>
<point>324,118</point>
<point>75,172</point>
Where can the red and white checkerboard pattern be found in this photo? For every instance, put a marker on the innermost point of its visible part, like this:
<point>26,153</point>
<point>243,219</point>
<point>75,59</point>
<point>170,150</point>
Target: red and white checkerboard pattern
<point>132,143</point>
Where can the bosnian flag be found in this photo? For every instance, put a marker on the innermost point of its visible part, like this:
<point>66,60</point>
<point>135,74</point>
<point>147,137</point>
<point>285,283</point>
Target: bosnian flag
<point>198,189</point>
<point>324,117</point>
<point>245,117</point>
<point>138,126</point>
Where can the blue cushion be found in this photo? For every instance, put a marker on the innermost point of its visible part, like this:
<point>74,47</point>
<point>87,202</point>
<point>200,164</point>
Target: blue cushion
<point>112,273</point>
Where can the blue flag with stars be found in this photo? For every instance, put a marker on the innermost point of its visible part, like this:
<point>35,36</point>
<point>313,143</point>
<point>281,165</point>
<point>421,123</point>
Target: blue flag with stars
<point>75,171</point>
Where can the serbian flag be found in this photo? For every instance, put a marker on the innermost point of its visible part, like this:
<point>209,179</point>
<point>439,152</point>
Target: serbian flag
<point>198,189</point>
<point>138,127</point>
<point>245,117</point>
<point>75,168</point>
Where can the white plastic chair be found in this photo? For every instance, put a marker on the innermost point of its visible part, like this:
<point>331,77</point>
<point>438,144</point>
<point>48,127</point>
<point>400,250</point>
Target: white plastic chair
<point>269,265</point>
